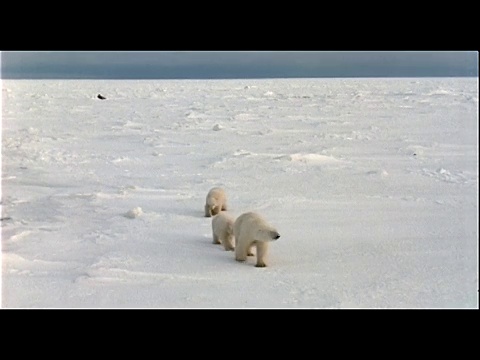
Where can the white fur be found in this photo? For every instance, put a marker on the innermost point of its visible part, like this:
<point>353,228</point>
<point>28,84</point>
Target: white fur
<point>215,202</point>
<point>222,230</point>
<point>250,229</point>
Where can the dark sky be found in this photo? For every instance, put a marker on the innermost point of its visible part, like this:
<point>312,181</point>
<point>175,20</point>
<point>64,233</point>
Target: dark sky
<point>235,64</point>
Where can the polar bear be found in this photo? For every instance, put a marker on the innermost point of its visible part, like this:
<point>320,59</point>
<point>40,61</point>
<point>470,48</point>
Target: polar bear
<point>251,229</point>
<point>222,230</point>
<point>215,202</point>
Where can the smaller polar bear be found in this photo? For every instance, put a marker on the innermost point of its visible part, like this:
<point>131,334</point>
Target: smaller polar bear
<point>251,229</point>
<point>222,229</point>
<point>215,202</point>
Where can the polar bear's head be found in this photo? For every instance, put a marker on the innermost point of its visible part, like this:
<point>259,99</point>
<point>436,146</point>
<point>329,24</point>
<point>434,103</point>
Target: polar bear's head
<point>212,210</point>
<point>266,235</point>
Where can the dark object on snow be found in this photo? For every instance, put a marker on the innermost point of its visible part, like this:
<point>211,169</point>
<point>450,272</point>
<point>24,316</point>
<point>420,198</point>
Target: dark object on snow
<point>101,97</point>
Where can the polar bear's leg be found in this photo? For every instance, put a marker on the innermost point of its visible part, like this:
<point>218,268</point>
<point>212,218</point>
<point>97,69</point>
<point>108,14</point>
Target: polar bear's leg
<point>228,243</point>
<point>215,239</point>
<point>250,252</point>
<point>262,248</point>
<point>241,250</point>
<point>224,206</point>
<point>208,211</point>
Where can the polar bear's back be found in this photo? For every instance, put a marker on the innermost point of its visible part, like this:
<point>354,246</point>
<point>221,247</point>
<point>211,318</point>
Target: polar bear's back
<point>246,221</point>
<point>223,222</point>
<point>215,196</point>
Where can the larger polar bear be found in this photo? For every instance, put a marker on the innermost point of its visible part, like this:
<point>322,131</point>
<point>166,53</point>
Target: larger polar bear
<point>215,202</point>
<point>250,229</point>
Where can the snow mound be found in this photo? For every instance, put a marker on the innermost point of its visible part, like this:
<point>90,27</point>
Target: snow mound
<point>382,173</point>
<point>313,159</point>
<point>217,127</point>
<point>134,213</point>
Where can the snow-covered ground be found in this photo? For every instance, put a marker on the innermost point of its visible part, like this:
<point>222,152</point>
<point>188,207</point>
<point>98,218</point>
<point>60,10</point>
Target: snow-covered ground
<point>372,184</point>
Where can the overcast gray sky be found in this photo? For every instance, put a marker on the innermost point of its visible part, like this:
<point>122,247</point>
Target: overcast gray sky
<point>235,64</point>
